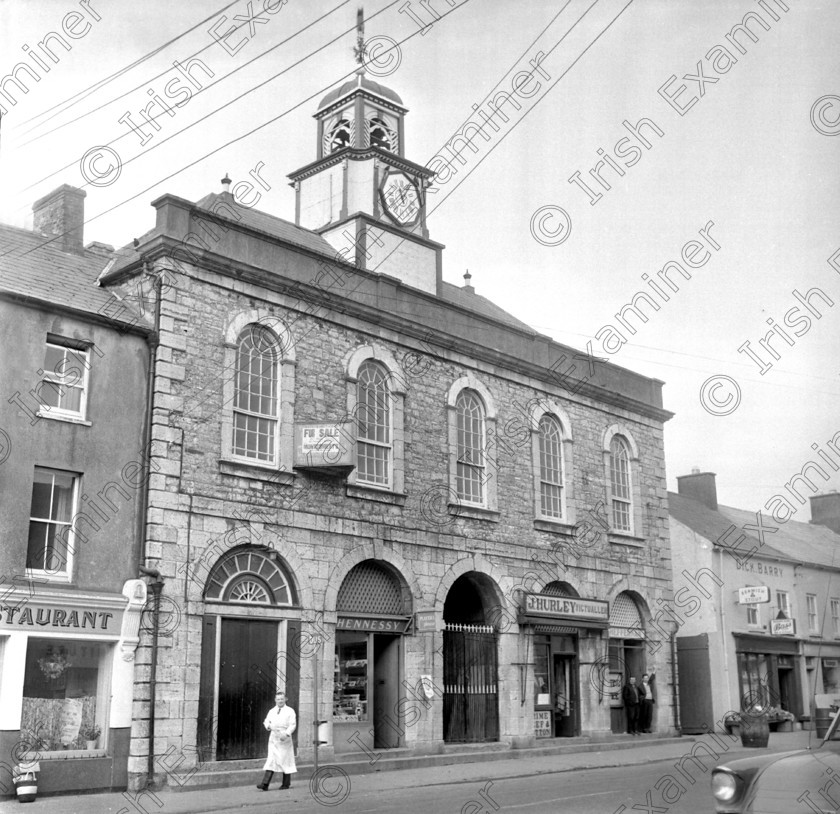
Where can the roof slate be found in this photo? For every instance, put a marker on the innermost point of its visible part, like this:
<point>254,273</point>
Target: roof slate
<point>33,266</point>
<point>793,541</point>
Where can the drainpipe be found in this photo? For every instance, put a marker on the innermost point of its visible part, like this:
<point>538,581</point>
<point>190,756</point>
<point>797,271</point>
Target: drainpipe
<point>156,586</point>
<point>675,700</point>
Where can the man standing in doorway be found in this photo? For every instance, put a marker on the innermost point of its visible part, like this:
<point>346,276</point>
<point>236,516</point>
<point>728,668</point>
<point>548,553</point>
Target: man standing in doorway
<point>648,696</point>
<point>630,696</point>
<point>280,722</point>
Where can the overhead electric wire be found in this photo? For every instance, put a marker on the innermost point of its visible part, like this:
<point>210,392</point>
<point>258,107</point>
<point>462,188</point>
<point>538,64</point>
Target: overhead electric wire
<point>108,79</point>
<point>226,104</point>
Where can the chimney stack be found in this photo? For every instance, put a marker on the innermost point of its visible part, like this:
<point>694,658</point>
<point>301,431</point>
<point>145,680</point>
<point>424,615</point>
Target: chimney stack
<point>825,510</point>
<point>699,486</point>
<point>61,214</point>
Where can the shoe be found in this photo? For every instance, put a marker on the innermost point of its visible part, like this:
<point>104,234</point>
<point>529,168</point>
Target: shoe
<point>261,787</point>
<point>285,788</point>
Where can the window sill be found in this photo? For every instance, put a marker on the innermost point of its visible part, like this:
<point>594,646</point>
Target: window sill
<point>239,469</point>
<point>474,512</point>
<point>630,540</point>
<point>68,419</point>
<point>46,576</point>
<point>554,526</point>
<point>364,492</point>
<point>63,754</point>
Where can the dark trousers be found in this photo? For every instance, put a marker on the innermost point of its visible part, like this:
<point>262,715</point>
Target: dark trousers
<point>646,716</point>
<point>632,718</point>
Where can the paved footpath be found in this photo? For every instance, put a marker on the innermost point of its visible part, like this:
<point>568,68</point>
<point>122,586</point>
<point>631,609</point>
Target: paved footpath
<point>204,801</point>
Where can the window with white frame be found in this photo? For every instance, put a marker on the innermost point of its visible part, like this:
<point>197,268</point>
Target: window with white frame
<point>620,487</point>
<point>551,467</point>
<point>50,546</point>
<point>835,616</point>
<point>64,380</point>
<point>256,396</point>
<point>373,426</point>
<point>470,462</point>
<point>752,615</point>
<point>783,603</point>
<point>811,603</point>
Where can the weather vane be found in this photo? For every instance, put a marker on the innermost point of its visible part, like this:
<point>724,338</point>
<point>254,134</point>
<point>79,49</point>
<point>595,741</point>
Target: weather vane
<point>359,49</point>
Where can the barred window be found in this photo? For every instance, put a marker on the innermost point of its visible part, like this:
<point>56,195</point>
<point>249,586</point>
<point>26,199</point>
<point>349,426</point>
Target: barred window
<point>551,467</point>
<point>256,398</point>
<point>470,476</point>
<point>620,484</point>
<point>373,426</point>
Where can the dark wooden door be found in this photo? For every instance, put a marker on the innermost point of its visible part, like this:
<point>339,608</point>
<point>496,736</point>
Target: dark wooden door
<point>695,683</point>
<point>386,708</point>
<point>244,697</point>
<point>470,690</point>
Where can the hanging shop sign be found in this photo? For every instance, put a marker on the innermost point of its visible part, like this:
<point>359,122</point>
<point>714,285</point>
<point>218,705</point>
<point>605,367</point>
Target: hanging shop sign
<point>753,595</point>
<point>539,608</point>
<point>325,446</point>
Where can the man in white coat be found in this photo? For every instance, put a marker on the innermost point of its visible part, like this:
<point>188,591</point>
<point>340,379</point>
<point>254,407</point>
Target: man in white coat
<point>280,722</point>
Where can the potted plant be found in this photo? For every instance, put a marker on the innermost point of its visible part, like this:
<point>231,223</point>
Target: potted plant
<point>91,736</point>
<point>782,718</point>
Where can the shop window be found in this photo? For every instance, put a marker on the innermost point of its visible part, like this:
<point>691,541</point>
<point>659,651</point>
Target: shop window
<point>831,676</point>
<point>753,676</point>
<point>470,476</point>
<point>542,688</point>
<point>64,380</point>
<point>551,467</point>
<point>373,426</point>
<point>835,616</point>
<point>752,615</point>
<point>811,603</point>
<point>65,696</point>
<point>256,396</point>
<point>50,547</point>
<point>350,694</point>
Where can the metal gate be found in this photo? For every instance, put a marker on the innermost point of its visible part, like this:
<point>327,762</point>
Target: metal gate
<point>470,690</point>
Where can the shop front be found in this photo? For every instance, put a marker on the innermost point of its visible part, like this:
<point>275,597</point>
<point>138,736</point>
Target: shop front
<point>373,616</point>
<point>768,672</point>
<point>558,624</point>
<point>66,679</point>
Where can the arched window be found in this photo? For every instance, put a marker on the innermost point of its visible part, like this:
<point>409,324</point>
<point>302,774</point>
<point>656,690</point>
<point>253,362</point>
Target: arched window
<point>620,487</point>
<point>373,426</point>
<point>551,467</point>
<point>256,396</point>
<point>470,474</point>
<point>381,135</point>
<point>249,575</point>
<point>339,136</point>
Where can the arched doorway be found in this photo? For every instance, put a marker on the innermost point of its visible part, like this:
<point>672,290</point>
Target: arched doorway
<point>470,661</point>
<point>626,646</point>
<point>246,636</point>
<point>373,612</point>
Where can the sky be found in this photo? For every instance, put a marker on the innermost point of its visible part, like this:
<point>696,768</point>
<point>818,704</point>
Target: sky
<point>739,133</point>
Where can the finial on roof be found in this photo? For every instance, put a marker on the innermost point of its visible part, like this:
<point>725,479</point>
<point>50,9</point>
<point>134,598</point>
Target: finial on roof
<point>695,470</point>
<point>467,278</point>
<point>359,49</point>
<point>226,183</point>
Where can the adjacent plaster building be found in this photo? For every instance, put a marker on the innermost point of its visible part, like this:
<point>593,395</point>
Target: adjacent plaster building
<point>73,466</point>
<point>782,648</point>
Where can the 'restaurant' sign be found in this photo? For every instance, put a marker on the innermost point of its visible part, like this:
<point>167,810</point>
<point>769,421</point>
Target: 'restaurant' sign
<point>566,607</point>
<point>373,625</point>
<point>324,445</point>
<point>753,595</point>
<point>33,615</point>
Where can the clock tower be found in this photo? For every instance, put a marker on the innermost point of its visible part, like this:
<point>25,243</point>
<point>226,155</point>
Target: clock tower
<point>362,194</point>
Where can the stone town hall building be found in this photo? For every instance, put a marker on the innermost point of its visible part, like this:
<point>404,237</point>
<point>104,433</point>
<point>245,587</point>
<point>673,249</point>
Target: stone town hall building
<point>377,489</point>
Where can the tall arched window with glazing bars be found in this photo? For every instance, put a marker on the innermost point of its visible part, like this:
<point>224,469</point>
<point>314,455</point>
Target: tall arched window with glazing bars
<point>256,396</point>
<point>551,467</point>
<point>470,464</point>
<point>374,430</point>
<point>620,484</point>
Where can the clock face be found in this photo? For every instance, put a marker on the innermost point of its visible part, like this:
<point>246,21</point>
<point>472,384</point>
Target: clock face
<point>400,198</point>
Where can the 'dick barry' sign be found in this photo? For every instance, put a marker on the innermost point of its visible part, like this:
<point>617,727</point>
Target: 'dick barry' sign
<point>326,445</point>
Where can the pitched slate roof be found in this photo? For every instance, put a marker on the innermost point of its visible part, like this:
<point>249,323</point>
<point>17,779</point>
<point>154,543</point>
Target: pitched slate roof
<point>481,305</point>
<point>794,541</point>
<point>33,266</point>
